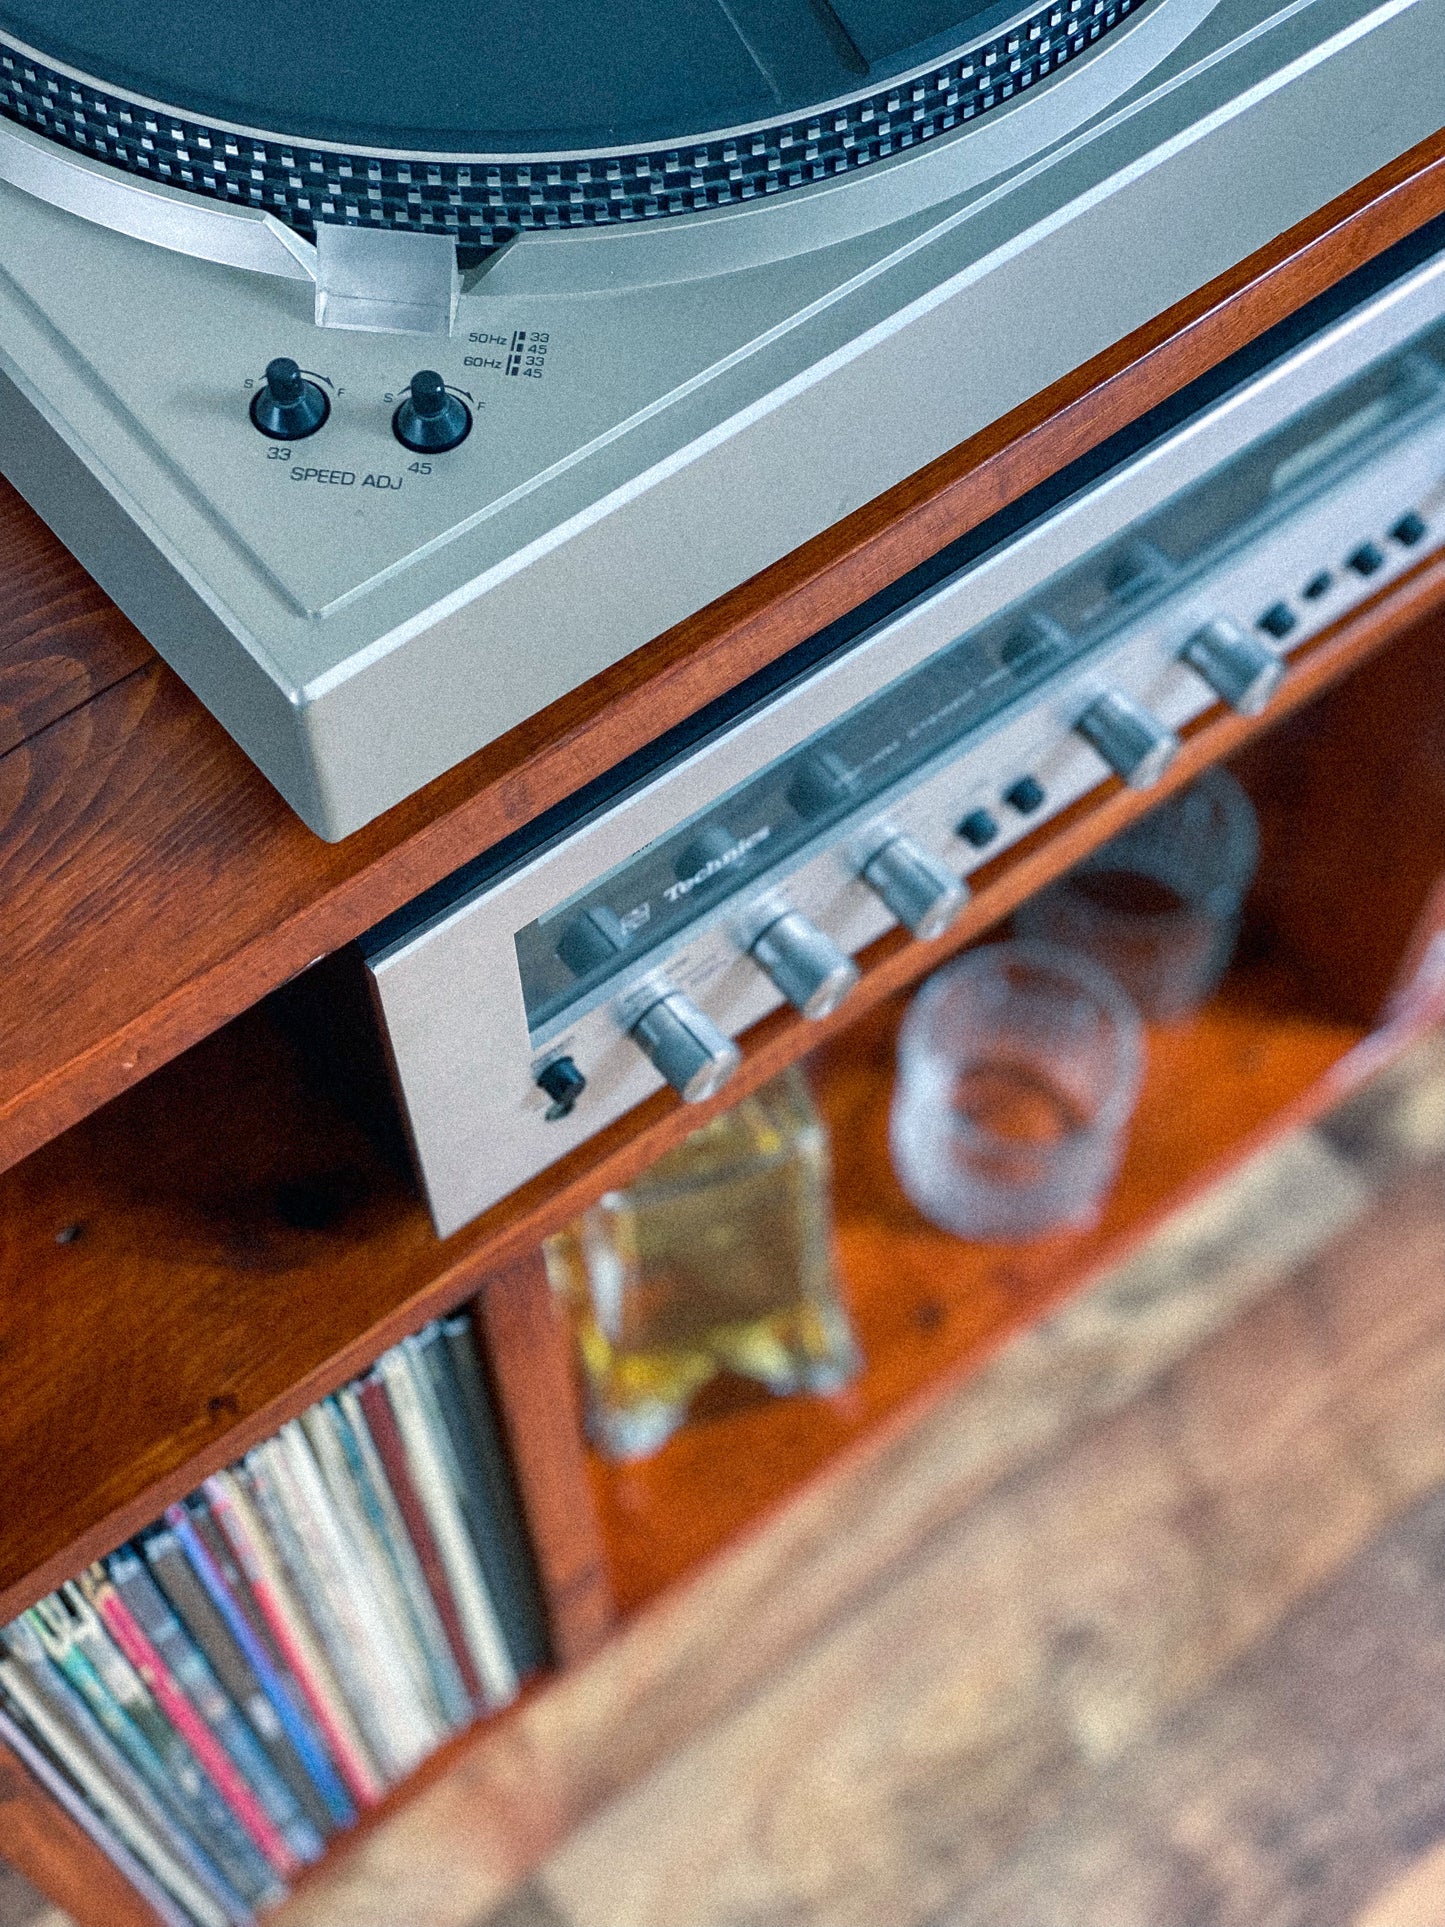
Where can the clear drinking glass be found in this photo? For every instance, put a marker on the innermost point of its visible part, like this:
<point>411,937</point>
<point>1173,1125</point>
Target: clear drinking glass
<point>1018,1071</point>
<point>1159,905</point>
<point>719,1258</point>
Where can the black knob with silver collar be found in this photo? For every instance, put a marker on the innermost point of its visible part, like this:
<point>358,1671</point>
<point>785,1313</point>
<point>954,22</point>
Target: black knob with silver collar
<point>1135,745</point>
<point>684,1043</point>
<point>431,419</point>
<point>921,893</point>
<point>287,406</point>
<point>1240,669</point>
<point>805,964</point>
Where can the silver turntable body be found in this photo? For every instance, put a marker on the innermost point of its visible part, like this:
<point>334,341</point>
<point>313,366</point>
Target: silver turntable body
<point>651,413</point>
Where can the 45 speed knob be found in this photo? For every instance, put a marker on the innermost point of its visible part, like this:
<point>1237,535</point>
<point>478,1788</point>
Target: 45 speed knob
<point>431,419</point>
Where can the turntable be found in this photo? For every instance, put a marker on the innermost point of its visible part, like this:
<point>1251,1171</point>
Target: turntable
<point>399,370</point>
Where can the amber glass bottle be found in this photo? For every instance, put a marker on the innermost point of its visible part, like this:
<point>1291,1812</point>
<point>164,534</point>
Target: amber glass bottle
<point>719,1258</point>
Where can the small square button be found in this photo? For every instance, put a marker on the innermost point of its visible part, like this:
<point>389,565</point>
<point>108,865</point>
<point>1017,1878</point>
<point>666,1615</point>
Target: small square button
<point>1409,530</point>
<point>1367,558</point>
<point>1026,795</point>
<point>1279,620</point>
<point>978,828</point>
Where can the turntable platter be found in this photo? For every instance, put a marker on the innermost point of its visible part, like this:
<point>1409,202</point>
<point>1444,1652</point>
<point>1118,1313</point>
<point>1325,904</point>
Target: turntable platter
<point>485,120</point>
<point>436,77</point>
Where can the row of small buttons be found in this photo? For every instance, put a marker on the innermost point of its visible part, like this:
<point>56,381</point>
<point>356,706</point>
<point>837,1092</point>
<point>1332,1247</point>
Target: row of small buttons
<point>980,826</point>
<point>1279,619</point>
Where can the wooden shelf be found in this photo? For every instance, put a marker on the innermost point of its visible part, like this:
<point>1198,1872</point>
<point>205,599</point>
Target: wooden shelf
<point>220,1246</point>
<point>197,1242</point>
<point>155,886</point>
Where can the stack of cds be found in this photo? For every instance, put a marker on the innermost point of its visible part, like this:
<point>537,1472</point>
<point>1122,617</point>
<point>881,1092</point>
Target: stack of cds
<point>217,1698</point>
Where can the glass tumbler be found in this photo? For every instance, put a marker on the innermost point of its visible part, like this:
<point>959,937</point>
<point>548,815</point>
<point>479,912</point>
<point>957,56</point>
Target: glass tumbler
<point>1159,905</point>
<point>718,1258</point>
<point>1018,1071</point>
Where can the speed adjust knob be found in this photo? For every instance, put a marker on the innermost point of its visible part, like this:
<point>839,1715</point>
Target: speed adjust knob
<point>287,406</point>
<point>1240,669</point>
<point>1135,745</point>
<point>923,895</point>
<point>805,964</point>
<point>684,1043</point>
<point>431,419</point>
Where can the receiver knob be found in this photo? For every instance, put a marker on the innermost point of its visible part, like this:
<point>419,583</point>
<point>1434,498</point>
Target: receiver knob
<point>1133,743</point>
<point>806,965</point>
<point>686,1046</point>
<point>431,419</point>
<point>288,407</point>
<point>1238,668</point>
<point>919,891</point>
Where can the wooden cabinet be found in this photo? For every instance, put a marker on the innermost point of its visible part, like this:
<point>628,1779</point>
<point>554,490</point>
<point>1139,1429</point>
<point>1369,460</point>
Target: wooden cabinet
<point>198,1243</point>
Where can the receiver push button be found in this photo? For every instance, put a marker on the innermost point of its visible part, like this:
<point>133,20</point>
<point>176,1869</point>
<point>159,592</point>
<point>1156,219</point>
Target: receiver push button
<point>686,1046</point>
<point>805,964</point>
<point>921,893</point>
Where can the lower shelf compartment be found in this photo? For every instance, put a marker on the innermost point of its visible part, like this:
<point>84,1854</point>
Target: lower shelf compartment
<point>1351,807</point>
<point>928,1307</point>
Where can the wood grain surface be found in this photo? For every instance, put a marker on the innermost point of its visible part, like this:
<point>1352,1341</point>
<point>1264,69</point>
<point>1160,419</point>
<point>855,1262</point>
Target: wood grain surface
<point>155,886</point>
<point>62,641</point>
<point>1146,1618</point>
<point>531,1371</point>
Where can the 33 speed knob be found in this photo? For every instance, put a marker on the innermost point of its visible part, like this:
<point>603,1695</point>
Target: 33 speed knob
<point>1135,745</point>
<point>921,893</point>
<point>684,1043</point>
<point>288,407</point>
<point>431,419</point>
<point>1238,668</point>
<point>805,964</point>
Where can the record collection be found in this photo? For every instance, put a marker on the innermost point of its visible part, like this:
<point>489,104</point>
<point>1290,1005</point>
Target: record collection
<point>216,1699</point>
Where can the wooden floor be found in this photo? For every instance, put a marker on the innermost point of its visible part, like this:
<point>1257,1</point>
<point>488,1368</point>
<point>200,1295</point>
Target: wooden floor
<point>1145,1628</point>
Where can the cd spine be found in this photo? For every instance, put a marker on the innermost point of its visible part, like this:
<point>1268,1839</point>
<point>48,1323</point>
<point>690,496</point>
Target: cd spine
<point>230,1689</point>
<point>54,1630</point>
<point>68,1798</point>
<point>190,1523</point>
<point>63,1725</point>
<point>505,1554</point>
<point>244,1530</point>
<point>391,1531</point>
<point>283,1787</point>
<point>429,1457</point>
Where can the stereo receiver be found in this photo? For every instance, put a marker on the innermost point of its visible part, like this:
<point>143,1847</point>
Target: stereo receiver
<point>633,938</point>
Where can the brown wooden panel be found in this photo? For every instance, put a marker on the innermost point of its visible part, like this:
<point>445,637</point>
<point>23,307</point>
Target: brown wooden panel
<point>155,885</point>
<point>529,1353</point>
<point>55,1854</point>
<point>243,1249</point>
<point>1369,760</point>
<point>62,640</point>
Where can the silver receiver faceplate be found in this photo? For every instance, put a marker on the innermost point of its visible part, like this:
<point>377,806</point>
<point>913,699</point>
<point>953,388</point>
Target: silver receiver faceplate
<point>658,413</point>
<point>948,731</point>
